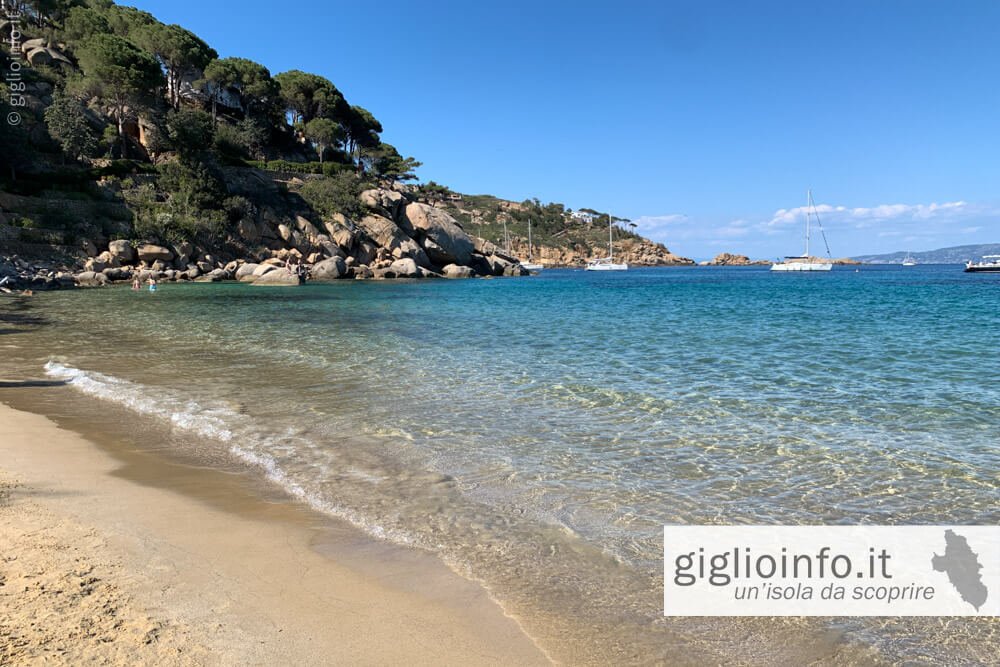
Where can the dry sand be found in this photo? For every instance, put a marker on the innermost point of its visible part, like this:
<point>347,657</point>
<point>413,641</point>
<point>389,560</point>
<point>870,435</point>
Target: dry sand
<point>132,559</point>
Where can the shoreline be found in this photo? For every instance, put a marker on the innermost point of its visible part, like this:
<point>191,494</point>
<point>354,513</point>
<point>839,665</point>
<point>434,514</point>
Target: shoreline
<point>241,579</point>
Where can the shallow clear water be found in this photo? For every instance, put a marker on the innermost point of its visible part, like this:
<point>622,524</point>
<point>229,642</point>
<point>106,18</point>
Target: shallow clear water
<point>538,432</point>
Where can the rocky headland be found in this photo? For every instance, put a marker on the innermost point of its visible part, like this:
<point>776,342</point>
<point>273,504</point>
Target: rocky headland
<point>395,236</point>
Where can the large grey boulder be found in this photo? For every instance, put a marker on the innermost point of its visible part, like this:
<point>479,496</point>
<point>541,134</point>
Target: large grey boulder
<point>262,269</point>
<point>343,238</point>
<point>91,279</point>
<point>449,244</point>
<point>245,272</point>
<point>404,268</point>
<point>279,277</point>
<point>123,251</point>
<point>456,271</point>
<point>306,227</point>
<point>108,259</point>
<point>183,253</point>
<point>94,264</point>
<point>386,234</point>
<point>387,202</point>
<point>115,273</point>
<point>329,269</point>
<point>151,253</point>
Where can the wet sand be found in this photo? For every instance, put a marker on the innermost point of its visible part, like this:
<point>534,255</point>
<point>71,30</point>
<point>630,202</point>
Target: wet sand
<point>116,555</point>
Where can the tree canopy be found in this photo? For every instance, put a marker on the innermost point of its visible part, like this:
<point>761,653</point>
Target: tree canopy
<point>180,52</point>
<point>324,133</point>
<point>67,122</point>
<point>309,96</point>
<point>386,162</point>
<point>251,81</point>
<point>119,74</point>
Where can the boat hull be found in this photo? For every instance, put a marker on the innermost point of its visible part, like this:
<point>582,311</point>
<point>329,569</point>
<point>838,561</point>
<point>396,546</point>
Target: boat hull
<point>606,267</point>
<point>531,267</point>
<point>801,266</point>
<point>983,269</point>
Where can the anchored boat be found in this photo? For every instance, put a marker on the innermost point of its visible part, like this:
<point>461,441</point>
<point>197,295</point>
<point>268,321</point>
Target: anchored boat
<point>607,263</point>
<point>806,262</point>
<point>530,264</point>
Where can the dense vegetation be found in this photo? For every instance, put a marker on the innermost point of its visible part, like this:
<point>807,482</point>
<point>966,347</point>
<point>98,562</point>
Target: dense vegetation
<point>122,109</point>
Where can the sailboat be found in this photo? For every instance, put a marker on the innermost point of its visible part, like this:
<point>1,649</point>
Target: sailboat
<point>805,262</point>
<point>908,260</point>
<point>530,265</point>
<point>607,263</point>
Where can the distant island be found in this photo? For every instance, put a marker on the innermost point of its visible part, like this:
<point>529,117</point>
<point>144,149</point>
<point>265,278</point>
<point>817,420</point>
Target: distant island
<point>958,254</point>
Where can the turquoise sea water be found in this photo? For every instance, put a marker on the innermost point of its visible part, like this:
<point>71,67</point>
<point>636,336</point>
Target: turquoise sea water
<point>538,432</point>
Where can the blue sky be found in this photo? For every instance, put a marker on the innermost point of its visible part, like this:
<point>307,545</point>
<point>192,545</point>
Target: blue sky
<point>704,121</point>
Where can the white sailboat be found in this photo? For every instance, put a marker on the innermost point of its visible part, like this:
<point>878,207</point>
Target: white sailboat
<point>908,260</point>
<point>530,265</point>
<point>607,263</point>
<point>805,262</point>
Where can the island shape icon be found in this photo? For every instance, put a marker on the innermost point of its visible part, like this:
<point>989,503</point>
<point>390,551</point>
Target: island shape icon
<point>962,566</point>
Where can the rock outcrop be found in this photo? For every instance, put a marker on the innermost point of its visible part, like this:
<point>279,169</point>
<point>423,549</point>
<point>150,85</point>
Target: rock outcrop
<point>279,277</point>
<point>329,269</point>
<point>443,239</point>
<point>729,259</point>
<point>151,253</point>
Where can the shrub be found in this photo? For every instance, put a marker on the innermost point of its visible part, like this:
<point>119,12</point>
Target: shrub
<point>336,194</point>
<point>238,208</point>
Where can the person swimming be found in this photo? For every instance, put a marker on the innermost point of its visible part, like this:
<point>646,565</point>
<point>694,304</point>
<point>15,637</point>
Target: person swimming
<point>152,284</point>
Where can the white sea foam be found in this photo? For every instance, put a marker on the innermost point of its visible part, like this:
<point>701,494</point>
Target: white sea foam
<point>182,413</point>
<point>219,423</point>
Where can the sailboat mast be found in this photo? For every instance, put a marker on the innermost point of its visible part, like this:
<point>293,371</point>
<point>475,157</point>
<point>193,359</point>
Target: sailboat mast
<point>611,241</point>
<point>809,196</point>
<point>529,241</point>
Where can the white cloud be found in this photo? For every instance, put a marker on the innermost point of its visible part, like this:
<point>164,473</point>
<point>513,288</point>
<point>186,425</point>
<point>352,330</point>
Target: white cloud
<point>850,230</point>
<point>861,217</point>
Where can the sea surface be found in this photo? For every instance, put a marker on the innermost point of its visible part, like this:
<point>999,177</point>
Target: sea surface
<point>537,433</point>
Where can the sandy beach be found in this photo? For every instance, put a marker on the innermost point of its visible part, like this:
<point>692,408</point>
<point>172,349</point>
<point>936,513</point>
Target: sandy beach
<point>113,557</point>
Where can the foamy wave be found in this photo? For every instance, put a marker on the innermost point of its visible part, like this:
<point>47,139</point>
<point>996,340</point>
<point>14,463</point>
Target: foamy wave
<point>185,414</point>
<point>217,423</point>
